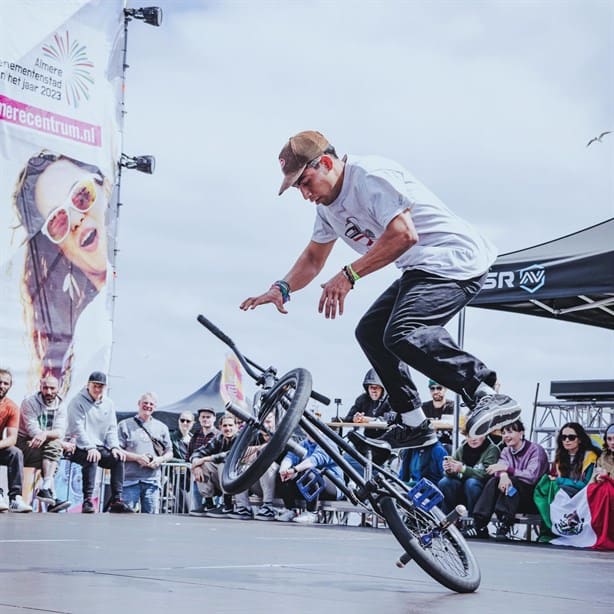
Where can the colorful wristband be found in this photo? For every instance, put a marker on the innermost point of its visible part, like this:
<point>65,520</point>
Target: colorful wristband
<point>284,288</point>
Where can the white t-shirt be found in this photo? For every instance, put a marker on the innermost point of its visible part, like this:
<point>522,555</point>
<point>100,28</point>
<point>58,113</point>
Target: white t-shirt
<point>375,190</point>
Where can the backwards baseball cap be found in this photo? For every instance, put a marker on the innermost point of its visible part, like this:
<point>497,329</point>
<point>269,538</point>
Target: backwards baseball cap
<point>98,377</point>
<point>432,382</point>
<point>297,153</point>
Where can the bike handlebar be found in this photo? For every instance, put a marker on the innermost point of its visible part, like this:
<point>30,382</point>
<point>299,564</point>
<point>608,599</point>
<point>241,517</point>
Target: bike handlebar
<point>212,328</point>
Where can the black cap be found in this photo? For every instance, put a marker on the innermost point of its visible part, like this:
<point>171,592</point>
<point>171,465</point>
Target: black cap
<point>207,409</point>
<point>98,377</point>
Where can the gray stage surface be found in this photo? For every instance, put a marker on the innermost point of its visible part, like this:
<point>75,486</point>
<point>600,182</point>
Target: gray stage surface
<point>174,564</point>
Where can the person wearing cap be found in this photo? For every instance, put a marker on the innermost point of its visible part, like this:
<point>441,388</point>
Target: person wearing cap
<point>438,406</point>
<point>93,425</point>
<point>386,215</point>
<point>207,431</point>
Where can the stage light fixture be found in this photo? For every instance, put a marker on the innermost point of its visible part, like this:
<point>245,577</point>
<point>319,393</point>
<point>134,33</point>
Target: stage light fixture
<point>144,164</point>
<point>149,14</point>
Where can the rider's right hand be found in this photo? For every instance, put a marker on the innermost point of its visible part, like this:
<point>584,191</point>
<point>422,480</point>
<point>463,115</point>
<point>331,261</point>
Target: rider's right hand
<point>272,295</point>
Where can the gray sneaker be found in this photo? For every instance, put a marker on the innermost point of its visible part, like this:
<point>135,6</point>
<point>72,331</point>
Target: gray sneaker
<point>493,411</point>
<point>265,512</point>
<point>403,436</point>
<point>19,506</point>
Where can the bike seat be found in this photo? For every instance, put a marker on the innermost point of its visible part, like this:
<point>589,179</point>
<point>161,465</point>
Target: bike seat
<point>380,450</point>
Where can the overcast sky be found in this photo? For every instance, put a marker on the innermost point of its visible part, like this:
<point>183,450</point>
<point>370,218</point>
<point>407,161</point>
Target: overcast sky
<point>490,104</point>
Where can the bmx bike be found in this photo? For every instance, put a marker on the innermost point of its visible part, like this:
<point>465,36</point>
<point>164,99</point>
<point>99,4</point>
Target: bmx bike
<point>426,534</point>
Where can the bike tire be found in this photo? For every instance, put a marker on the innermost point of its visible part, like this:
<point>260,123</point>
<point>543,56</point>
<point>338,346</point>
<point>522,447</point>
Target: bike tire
<point>447,558</point>
<point>287,399</point>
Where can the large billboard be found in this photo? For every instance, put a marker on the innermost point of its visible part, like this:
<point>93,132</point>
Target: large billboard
<point>61,66</point>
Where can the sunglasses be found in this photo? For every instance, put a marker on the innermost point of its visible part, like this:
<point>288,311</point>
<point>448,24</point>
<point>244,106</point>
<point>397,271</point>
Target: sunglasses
<point>185,420</point>
<point>436,387</point>
<point>569,437</point>
<point>81,198</point>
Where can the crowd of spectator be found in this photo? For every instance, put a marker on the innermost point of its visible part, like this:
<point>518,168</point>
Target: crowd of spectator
<point>495,478</point>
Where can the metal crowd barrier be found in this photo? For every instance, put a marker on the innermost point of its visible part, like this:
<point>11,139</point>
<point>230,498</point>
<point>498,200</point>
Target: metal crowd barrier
<point>176,482</point>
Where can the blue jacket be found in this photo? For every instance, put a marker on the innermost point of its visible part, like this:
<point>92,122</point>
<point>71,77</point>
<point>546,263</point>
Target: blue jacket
<point>424,462</point>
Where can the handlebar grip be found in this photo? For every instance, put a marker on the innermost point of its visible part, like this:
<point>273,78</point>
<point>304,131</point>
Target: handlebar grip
<point>216,331</point>
<point>320,398</point>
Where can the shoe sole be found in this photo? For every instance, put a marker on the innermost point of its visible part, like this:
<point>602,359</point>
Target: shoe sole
<point>241,517</point>
<point>264,518</point>
<point>425,442</point>
<point>45,500</point>
<point>59,508</point>
<point>493,420</point>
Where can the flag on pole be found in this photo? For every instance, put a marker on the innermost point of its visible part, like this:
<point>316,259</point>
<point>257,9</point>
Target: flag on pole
<point>231,384</point>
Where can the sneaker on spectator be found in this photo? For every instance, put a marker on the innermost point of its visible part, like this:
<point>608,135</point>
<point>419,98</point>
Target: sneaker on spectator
<point>306,517</point>
<point>242,513</point>
<point>44,495</point>
<point>474,532</point>
<point>286,515</point>
<point>4,504</point>
<point>221,511</point>
<point>493,411</point>
<point>19,506</point>
<point>265,512</point>
<point>502,532</point>
<point>58,506</point>
<point>119,507</point>
<point>87,507</point>
<point>197,511</point>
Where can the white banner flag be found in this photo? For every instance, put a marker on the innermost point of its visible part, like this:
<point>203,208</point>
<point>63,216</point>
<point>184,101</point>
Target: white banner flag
<point>60,135</point>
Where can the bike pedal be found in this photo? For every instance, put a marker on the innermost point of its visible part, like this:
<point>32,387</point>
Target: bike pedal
<point>310,484</point>
<point>425,495</point>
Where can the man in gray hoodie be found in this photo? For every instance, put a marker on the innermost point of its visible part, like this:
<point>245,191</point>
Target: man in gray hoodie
<point>93,424</point>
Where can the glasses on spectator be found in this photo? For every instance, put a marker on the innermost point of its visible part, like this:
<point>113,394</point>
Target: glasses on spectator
<point>81,198</point>
<point>436,387</point>
<point>184,420</point>
<point>569,437</point>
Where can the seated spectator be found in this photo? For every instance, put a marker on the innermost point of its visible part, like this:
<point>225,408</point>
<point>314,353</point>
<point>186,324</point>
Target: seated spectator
<point>601,494</point>
<point>42,427</point>
<point>425,462</point>
<point>574,462</point>
<point>92,422</point>
<point>202,436</point>
<point>440,408</point>
<point>510,488</point>
<point>465,473</point>
<point>371,405</point>
<point>147,444</point>
<point>292,467</point>
<point>207,466</point>
<point>10,454</point>
<point>182,435</point>
<point>604,467</point>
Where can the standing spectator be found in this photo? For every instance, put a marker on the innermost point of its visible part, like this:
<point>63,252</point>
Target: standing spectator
<point>510,489</point>
<point>292,467</point>
<point>93,424</point>
<point>207,431</point>
<point>574,462</point>
<point>207,466</point>
<point>182,435</point>
<point>147,444</point>
<point>42,426</point>
<point>465,473</point>
<point>10,454</point>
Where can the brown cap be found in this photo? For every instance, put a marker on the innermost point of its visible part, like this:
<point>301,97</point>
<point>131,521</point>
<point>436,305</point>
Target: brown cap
<point>297,153</point>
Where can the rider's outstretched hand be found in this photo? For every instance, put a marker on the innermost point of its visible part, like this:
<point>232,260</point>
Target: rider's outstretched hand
<point>272,295</point>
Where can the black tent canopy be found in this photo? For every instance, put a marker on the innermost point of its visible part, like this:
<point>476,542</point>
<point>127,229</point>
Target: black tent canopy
<point>570,278</point>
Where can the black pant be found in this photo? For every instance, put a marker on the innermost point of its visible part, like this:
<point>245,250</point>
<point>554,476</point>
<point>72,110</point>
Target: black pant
<point>405,326</point>
<point>505,507</point>
<point>107,461</point>
<point>13,459</point>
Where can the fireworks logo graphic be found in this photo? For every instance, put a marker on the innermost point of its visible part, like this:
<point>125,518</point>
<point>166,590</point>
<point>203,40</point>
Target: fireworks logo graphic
<point>71,57</point>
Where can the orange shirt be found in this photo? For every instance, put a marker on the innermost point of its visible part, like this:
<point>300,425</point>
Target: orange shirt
<point>9,415</point>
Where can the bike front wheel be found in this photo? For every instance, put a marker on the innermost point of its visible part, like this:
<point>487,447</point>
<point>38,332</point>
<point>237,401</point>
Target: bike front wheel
<point>281,409</point>
<point>442,553</point>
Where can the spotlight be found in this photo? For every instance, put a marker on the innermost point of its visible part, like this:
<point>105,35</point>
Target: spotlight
<point>144,164</point>
<point>149,14</point>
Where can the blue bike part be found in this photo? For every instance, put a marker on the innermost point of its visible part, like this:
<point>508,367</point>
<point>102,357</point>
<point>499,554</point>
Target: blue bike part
<point>425,495</point>
<point>310,484</point>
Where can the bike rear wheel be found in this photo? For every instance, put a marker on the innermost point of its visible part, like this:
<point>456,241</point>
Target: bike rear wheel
<point>443,554</point>
<point>249,458</point>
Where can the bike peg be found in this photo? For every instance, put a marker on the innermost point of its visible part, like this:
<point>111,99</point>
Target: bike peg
<point>403,560</point>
